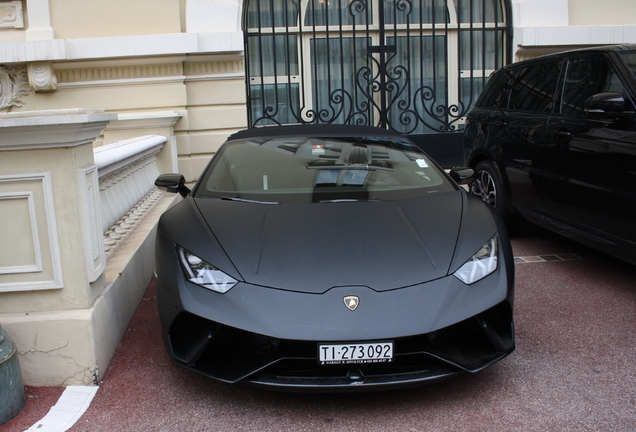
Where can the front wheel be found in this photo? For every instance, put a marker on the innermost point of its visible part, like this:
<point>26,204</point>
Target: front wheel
<point>489,187</point>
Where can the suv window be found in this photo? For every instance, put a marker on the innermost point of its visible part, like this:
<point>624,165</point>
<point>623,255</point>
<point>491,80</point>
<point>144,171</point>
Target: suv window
<point>630,59</point>
<point>497,90</point>
<point>534,87</point>
<point>586,77</point>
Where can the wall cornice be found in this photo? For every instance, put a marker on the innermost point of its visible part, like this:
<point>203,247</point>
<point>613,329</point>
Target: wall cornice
<point>144,120</point>
<point>120,47</point>
<point>51,129</point>
<point>147,71</point>
<point>574,35</point>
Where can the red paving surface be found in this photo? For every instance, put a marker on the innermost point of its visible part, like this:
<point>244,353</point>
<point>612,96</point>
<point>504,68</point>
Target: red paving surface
<point>573,369</point>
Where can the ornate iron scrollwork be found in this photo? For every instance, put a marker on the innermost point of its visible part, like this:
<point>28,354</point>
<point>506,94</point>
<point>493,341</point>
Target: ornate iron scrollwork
<point>373,62</point>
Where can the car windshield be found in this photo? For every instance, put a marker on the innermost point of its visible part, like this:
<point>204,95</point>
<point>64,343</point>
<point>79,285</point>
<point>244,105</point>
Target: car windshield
<point>285,170</point>
<point>630,59</point>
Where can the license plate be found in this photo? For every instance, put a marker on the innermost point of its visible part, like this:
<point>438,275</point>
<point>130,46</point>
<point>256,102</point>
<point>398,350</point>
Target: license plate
<point>375,352</point>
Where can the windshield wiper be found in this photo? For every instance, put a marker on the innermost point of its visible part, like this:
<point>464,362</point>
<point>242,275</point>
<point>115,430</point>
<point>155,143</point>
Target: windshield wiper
<point>348,200</point>
<point>350,167</point>
<point>248,201</point>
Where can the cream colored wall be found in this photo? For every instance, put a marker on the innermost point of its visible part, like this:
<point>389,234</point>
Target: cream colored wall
<point>63,168</point>
<point>545,26</point>
<point>114,98</point>
<point>215,90</point>
<point>606,12</point>
<point>208,91</point>
<point>100,18</point>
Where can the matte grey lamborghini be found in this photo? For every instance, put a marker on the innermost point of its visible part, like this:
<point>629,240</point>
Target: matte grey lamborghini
<point>331,258</point>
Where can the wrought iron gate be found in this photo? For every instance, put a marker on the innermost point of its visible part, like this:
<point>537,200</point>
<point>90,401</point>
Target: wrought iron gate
<point>413,66</point>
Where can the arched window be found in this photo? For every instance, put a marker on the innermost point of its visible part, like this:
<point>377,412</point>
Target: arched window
<point>413,66</point>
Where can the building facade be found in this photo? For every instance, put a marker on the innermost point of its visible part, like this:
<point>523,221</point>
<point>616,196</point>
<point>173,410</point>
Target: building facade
<point>193,72</point>
<point>188,56</point>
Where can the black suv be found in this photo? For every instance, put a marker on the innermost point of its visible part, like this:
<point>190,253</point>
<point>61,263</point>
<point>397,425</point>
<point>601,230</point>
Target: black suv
<point>553,139</point>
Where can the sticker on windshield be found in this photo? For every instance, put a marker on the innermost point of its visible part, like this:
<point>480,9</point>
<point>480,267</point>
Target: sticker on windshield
<point>421,163</point>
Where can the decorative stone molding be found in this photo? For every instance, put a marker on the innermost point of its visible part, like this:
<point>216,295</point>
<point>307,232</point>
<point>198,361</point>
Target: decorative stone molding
<point>121,190</point>
<point>14,84</point>
<point>11,15</point>
<point>127,171</point>
<point>91,222</point>
<point>122,75</point>
<point>60,128</point>
<point>155,122</point>
<point>39,21</point>
<point>214,69</point>
<point>42,77</point>
<point>112,157</point>
<point>26,206</point>
<point>115,236</point>
<point>145,120</point>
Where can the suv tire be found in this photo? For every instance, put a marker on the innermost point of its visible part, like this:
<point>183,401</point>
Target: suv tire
<point>490,188</point>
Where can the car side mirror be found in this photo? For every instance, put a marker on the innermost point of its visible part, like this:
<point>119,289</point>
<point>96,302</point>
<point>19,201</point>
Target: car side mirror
<point>605,105</point>
<point>462,175</point>
<point>173,183</point>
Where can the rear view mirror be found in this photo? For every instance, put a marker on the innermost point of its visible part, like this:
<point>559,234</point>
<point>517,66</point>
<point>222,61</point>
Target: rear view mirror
<point>173,183</point>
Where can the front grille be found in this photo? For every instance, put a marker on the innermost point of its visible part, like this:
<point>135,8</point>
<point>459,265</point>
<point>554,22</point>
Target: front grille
<point>233,355</point>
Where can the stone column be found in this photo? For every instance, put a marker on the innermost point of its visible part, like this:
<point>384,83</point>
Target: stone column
<point>39,21</point>
<point>51,256</point>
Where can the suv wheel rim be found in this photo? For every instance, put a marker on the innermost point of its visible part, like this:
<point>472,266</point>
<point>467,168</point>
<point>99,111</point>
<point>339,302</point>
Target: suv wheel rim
<point>484,187</point>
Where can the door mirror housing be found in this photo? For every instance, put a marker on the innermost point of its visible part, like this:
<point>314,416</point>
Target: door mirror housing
<point>605,104</point>
<point>173,183</point>
<point>462,175</point>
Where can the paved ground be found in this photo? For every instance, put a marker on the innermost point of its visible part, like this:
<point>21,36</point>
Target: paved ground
<point>573,369</point>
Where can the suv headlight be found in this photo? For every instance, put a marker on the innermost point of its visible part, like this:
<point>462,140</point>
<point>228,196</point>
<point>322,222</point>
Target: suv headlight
<point>480,265</point>
<point>204,274</point>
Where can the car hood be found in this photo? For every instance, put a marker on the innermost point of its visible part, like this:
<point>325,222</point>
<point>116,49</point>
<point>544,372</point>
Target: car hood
<point>314,247</point>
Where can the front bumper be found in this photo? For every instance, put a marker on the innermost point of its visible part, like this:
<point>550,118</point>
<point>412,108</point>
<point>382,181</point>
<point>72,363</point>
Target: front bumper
<point>237,356</point>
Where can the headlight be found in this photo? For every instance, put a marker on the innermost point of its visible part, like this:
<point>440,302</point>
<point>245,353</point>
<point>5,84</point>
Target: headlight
<point>204,274</point>
<point>480,265</point>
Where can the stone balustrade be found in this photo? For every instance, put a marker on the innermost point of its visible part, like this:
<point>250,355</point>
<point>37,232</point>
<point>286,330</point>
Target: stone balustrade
<point>69,284</point>
<point>127,170</point>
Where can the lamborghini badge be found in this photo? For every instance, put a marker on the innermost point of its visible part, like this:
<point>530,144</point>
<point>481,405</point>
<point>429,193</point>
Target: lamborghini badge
<point>352,302</point>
